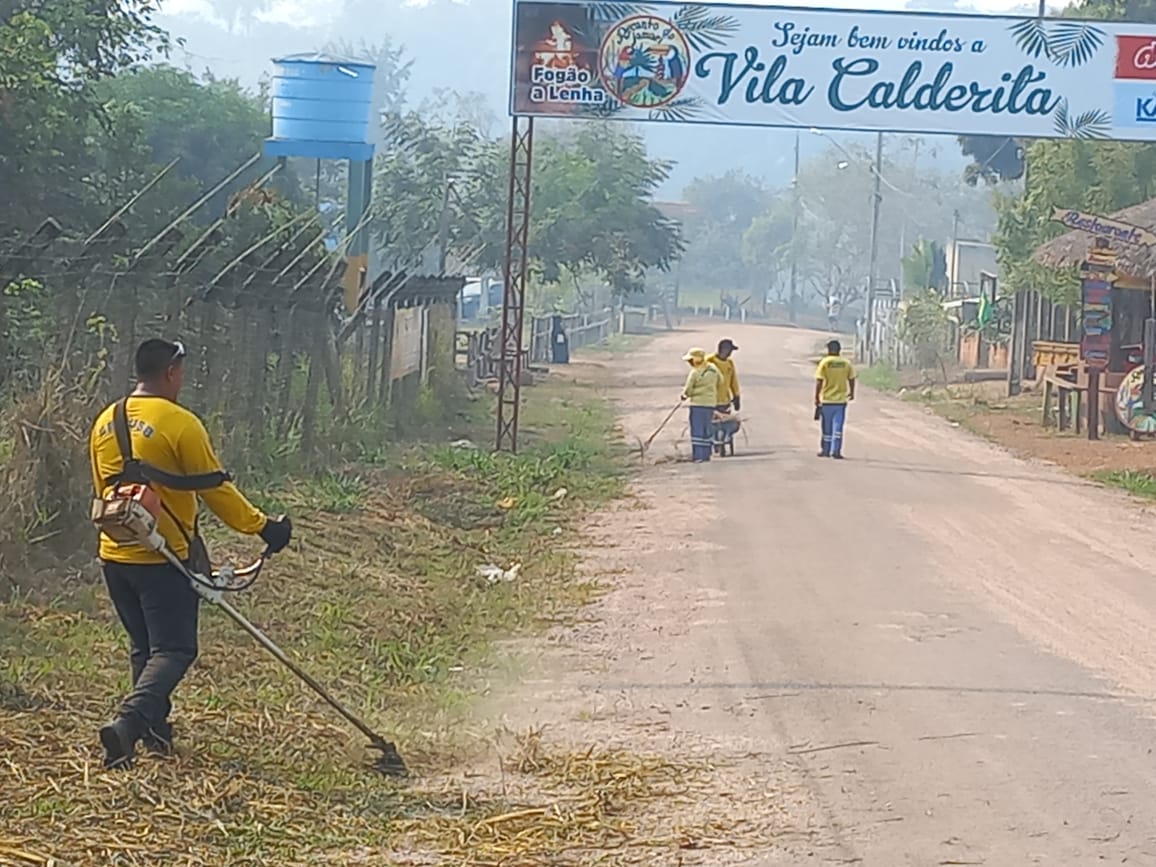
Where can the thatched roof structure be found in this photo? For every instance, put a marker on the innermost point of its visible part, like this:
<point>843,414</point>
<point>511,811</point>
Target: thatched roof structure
<point>1135,260</point>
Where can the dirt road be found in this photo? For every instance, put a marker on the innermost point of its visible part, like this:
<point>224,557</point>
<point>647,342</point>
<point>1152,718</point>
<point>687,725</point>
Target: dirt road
<point>949,652</point>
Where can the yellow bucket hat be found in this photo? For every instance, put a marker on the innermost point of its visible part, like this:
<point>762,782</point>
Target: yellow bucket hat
<point>698,356</point>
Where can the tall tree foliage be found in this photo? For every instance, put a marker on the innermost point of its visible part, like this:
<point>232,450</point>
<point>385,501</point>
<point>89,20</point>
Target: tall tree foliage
<point>925,267</point>
<point>592,209</point>
<point>724,206</point>
<point>51,54</point>
<point>590,201</point>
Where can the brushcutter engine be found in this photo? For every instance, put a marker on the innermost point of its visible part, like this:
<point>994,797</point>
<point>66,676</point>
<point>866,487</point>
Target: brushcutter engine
<point>128,516</point>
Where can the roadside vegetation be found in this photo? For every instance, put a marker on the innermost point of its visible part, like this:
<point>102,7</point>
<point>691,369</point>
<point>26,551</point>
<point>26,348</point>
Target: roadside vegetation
<point>382,597</point>
<point>881,377</point>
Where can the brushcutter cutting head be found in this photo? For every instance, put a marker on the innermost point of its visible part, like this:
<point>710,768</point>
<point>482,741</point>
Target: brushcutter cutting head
<point>389,762</point>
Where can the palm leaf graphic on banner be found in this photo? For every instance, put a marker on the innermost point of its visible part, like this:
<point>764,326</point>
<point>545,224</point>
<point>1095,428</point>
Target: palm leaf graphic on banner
<point>600,16</point>
<point>1031,35</point>
<point>682,109</point>
<point>1073,43</point>
<point>1065,43</point>
<point>703,29</point>
<point>1091,124</point>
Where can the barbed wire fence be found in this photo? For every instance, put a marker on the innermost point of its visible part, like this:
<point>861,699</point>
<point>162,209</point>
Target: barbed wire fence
<point>275,368</point>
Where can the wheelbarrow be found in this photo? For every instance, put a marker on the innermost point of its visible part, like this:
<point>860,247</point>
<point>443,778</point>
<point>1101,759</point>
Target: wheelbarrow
<point>726,425</point>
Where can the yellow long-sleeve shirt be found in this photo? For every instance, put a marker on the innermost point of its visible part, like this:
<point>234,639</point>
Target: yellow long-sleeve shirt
<point>701,387</point>
<point>170,438</point>
<point>728,386</point>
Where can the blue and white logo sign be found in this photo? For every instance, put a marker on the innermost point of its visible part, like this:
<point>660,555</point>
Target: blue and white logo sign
<point>901,71</point>
<point>1135,104</point>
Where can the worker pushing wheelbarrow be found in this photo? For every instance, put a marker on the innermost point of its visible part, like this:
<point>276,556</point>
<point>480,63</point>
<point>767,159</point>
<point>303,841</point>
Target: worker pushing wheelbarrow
<point>725,421</point>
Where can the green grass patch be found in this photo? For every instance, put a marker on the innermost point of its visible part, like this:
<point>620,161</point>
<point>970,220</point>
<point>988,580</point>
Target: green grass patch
<point>1138,482</point>
<point>620,343</point>
<point>881,377</point>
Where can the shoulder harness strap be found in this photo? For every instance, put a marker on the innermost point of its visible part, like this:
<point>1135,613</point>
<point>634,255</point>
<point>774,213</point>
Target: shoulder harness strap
<point>138,472</point>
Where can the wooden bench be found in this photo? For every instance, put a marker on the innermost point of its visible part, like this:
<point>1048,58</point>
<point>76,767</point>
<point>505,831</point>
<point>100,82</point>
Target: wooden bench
<point>1070,382</point>
<point>1063,381</point>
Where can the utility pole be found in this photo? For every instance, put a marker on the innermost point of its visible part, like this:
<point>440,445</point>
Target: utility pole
<point>903,217</point>
<point>795,234</point>
<point>953,276</point>
<point>876,200</point>
<point>444,228</point>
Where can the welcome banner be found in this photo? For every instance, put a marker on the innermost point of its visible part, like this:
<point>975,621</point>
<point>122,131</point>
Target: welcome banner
<point>854,70</point>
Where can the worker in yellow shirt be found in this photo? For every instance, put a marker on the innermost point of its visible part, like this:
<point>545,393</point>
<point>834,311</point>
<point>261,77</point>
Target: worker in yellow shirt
<point>148,438</point>
<point>834,387</point>
<point>701,391</point>
<point>728,394</point>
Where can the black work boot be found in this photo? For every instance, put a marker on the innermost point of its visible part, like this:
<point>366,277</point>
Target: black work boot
<point>158,739</point>
<point>119,739</point>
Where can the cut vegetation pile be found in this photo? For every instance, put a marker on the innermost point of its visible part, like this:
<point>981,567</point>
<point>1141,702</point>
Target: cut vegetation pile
<point>381,598</point>
<point>590,806</point>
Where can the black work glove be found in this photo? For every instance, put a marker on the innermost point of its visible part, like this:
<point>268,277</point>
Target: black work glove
<point>276,533</point>
<point>737,403</point>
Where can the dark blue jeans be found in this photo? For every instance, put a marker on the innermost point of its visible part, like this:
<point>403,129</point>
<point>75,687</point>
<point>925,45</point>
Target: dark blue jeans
<point>832,416</point>
<point>159,611</point>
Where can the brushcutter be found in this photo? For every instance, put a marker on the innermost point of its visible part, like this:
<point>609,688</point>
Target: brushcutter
<point>129,520</point>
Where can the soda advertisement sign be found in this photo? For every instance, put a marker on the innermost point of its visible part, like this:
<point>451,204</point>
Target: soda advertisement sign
<point>853,70</point>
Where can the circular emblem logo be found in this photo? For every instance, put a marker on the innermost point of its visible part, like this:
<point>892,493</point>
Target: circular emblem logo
<point>644,61</point>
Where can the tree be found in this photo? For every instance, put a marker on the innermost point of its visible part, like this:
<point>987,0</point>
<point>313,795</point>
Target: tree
<point>51,54</point>
<point>766,245</point>
<point>592,209</point>
<point>833,244</point>
<point>925,267</point>
<point>724,208</point>
<point>450,108</point>
<point>926,328</point>
<point>424,171</point>
<point>993,158</point>
<point>212,125</point>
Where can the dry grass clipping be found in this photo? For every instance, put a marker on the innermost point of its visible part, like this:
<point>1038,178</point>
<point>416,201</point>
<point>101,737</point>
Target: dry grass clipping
<point>584,807</point>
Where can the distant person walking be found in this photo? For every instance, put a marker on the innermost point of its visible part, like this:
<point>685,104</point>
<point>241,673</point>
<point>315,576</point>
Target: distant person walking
<point>834,307</point>
<point>701,392</point>
<point>834,387</point>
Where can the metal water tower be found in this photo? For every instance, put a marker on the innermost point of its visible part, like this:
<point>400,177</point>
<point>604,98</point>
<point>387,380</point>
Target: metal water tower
<point>322,108</point>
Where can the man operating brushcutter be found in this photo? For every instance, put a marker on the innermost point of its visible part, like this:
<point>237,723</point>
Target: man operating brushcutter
<point>149,447</point>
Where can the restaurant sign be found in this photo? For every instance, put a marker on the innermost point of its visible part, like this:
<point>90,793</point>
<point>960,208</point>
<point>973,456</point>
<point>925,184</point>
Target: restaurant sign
<point>1105,227</point>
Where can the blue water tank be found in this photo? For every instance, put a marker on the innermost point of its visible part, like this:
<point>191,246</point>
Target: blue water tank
<point>322,106</point>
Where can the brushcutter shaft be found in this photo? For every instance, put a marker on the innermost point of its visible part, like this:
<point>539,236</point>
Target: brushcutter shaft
<point>390,762</point>
<point>266,642</point>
